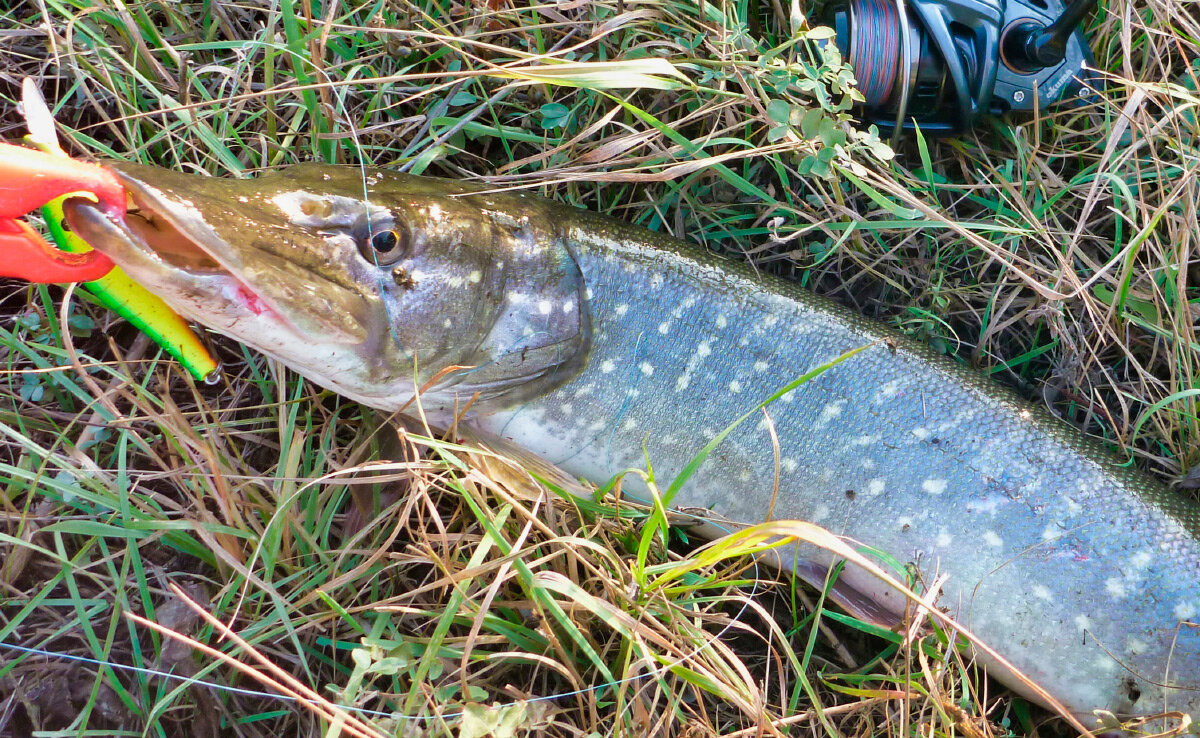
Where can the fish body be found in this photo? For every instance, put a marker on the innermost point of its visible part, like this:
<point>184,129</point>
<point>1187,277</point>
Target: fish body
<point>599,346</point>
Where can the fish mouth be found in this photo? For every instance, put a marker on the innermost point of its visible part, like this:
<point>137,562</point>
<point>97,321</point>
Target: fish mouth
<point>168,248</point>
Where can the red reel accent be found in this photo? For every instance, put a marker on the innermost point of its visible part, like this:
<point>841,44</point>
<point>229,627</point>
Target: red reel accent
<point>875,52</point>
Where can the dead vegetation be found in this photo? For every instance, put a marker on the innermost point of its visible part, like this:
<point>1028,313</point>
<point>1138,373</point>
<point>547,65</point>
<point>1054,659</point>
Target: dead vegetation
<point>1058,254</point>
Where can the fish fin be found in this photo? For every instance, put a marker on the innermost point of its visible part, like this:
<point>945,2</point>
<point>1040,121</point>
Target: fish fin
<point>517,468</point>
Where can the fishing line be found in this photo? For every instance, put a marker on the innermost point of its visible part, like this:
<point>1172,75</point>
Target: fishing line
<point>388,308</point>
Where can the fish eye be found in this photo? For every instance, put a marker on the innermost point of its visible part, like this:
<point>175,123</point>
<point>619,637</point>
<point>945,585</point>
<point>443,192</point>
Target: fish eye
<point>384,247</point>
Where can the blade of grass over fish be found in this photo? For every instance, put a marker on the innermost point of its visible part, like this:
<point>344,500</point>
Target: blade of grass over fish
<point>701,456</point>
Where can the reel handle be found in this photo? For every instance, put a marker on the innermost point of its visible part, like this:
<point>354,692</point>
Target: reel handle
<point>1035,46</point>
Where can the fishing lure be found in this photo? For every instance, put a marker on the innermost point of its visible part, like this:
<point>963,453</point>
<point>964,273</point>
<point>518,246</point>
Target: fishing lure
<point>49,177</point>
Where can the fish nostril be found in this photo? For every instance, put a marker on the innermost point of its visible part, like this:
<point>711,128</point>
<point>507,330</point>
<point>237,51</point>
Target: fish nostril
<point>316,207</point>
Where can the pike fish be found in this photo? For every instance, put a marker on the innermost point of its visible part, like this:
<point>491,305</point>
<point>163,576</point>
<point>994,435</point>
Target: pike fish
<point>596,345</point>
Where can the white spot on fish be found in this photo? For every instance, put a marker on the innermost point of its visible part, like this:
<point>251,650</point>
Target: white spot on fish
<point>585,390</point>
<point>629,424</point>
<point>1105,663</point>
<point>656,280</point>
<point>1141,559</point>
<point>703,349</point>
<point>607,367</point>
<point>735,386</point>
<point>1185,610</point>
<point>887,390</point>
<point>830,411</point>
<point>568,307</point>
<point>989,505</point>
<point>761,366</point>
<point>991,539</point>
<point>447,323</point>
<point>944,539</point>
<point>544,307</point>
<point>867,464</point>
<point>904,521</point>
<point>1115,588</point>
<point>566,408</point>
<point>934,487</point>
<point>789,465</point>
<point>921,433</point>
<point>1042,592</point>
<point>588,293</point>
<point>1083,622</point>
<point>621,310</point>
<point>819,514</point>
<point>866,440</point>
<point>475,276</point>
<point>770,320</point>
<point>875,487</point>
<point>1051,533</point>
<point>664,327</point>
<point>1136,646</point>
<point>788,396</point>
<point>647,368</point>
<point>721,321</point>
<point>682,383</point>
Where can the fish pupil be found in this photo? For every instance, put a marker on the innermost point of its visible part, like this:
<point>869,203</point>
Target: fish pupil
<point>384,241</point>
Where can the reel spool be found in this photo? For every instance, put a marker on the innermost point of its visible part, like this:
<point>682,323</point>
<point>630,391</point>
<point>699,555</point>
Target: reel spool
<point>941,64</point>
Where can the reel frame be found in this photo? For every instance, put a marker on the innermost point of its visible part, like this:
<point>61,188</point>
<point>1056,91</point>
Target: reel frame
<point>942,64</point>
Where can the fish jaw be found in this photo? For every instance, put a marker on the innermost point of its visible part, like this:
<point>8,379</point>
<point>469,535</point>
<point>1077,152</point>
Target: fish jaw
<point>168,243</point>
<point>288,263</point>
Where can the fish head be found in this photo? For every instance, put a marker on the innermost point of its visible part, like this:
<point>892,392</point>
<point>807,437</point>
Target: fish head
<point>372,283</point>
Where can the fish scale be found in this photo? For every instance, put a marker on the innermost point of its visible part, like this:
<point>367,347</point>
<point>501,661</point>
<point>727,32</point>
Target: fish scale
<point>896,448</point>
<point>597,345</point>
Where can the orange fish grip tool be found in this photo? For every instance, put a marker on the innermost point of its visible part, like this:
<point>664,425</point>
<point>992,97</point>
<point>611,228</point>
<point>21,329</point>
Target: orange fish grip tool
<point>30,179</point>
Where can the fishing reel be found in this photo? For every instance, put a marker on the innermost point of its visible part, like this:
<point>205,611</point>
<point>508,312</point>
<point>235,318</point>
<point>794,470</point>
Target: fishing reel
<point>941,64</point>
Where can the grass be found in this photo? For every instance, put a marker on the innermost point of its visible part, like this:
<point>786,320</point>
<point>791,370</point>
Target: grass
<point>450,596</point>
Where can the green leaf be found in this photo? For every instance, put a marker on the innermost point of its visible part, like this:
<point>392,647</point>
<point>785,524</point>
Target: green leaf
<point>498,721</point>
<point>810,122</point>
<point>778,112</point>
<point>819,33</point>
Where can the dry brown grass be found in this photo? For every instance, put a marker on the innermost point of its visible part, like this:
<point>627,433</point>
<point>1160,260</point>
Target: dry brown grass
<point>1056,253</point>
